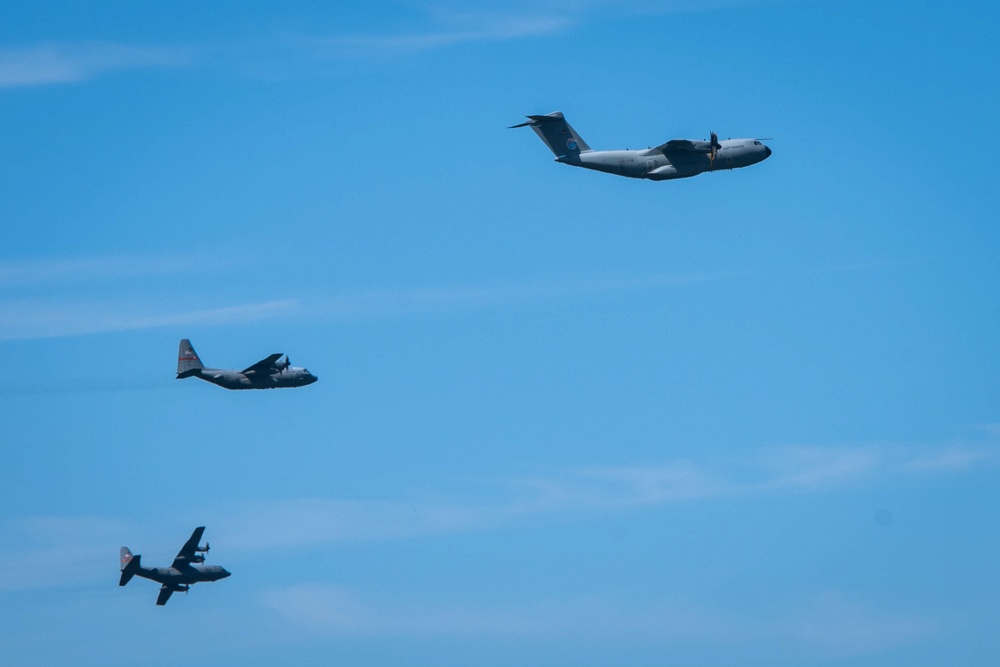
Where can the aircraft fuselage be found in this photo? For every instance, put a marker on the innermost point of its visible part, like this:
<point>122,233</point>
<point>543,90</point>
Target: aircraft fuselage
<point>656,165</point>
<point>230,379</point>
<point>191,574</point>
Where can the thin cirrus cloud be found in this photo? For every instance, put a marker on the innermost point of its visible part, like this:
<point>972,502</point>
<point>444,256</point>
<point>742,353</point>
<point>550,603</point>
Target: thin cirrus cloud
<point>44,564</point>
<point>33,317</point>
<point>52,63</point>
<point>28,319</point>
<point>312,522</point>
<point>60,63</point>
<point>439,26</point>
<point>470,28</point>
<point>47,317</point>
<point>827,624</point>
<point>388,302</point>
<point>75,270</point>
<point>35,543</point>
<point>43,308</point>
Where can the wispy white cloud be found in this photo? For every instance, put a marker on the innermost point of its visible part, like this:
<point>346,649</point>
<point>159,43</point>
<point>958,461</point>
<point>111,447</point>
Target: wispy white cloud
<point>310,522</point>
<point>839,627</point>
<point>51,63</point>
<point>333,610</point>
<point>38,545</point>
<point>435,25</point>
<point>302,522</point>
<point>52,552</point>
<point>50,316</point>
<point>958,458</point>
<point>40,318</point>
<point>71,270</point>
<point>810,468</point>
<point>389,302</point>
<point>829,624</point>
<point>46,317</point>
<point>460,29</point>
<point>449,24</point>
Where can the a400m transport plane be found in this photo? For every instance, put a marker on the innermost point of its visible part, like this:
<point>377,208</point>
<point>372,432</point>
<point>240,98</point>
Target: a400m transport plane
<point>678,158</point>
<point>270,373</point>
<point>184,571</point>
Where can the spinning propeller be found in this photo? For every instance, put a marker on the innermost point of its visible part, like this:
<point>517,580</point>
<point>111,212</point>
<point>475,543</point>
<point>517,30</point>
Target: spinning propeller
<point>714,147</point>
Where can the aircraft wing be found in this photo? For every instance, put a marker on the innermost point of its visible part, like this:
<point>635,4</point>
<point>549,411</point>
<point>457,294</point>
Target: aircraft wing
<point>264,365</point>
<point>165,593</point>
<point>186,553</point>
<point>685,146</point>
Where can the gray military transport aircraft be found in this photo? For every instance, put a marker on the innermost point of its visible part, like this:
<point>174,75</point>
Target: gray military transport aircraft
<point>270,373</point>
<point>185,570</point>
<point>678,158</point>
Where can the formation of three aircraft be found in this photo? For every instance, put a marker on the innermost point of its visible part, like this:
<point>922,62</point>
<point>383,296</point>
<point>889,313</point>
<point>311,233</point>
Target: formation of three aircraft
<point>677,158</point>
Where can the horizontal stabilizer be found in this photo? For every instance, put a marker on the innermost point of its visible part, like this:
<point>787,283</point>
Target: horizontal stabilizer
<point>553,117</point>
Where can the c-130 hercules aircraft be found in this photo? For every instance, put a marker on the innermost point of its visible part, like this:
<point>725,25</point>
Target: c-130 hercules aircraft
<point>678,158</point>
<point>184,571</point>
<point>270,373</point>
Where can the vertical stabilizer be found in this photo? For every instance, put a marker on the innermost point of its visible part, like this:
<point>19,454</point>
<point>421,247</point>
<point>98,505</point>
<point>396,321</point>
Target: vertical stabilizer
<point>188,362</point>
<point>557,134</point>
<point>130,565</point>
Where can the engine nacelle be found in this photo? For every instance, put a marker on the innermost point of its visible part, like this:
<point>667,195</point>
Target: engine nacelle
<point>197,559</point>
<point>203,549</point>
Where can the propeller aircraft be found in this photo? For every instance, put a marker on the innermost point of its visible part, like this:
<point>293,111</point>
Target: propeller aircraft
<point>678,158</point>
<point>272,372</point>
<point>186,570</point>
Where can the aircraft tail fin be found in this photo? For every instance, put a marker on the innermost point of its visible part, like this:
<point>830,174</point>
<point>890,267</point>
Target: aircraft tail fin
<point>557,134</point>
<point>188,361</point>
<point>130,565</point>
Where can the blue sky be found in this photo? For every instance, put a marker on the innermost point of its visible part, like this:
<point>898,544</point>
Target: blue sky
<point>563,418</point>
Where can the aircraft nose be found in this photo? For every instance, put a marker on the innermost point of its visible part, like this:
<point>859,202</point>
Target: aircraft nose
<point>225,573</point>
<point>767,152</point>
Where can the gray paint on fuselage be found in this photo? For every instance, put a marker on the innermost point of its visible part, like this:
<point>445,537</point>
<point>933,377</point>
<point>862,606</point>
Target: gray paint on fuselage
<point>656,164</point>
<point>230,379</point>
<point>272,372</point>
<point>190,574</point>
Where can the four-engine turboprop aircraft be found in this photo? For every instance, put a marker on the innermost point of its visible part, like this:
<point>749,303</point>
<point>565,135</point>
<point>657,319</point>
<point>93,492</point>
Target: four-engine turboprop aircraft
<point>270,373</point>
<point>182,573</point>
<point>678,158</point>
